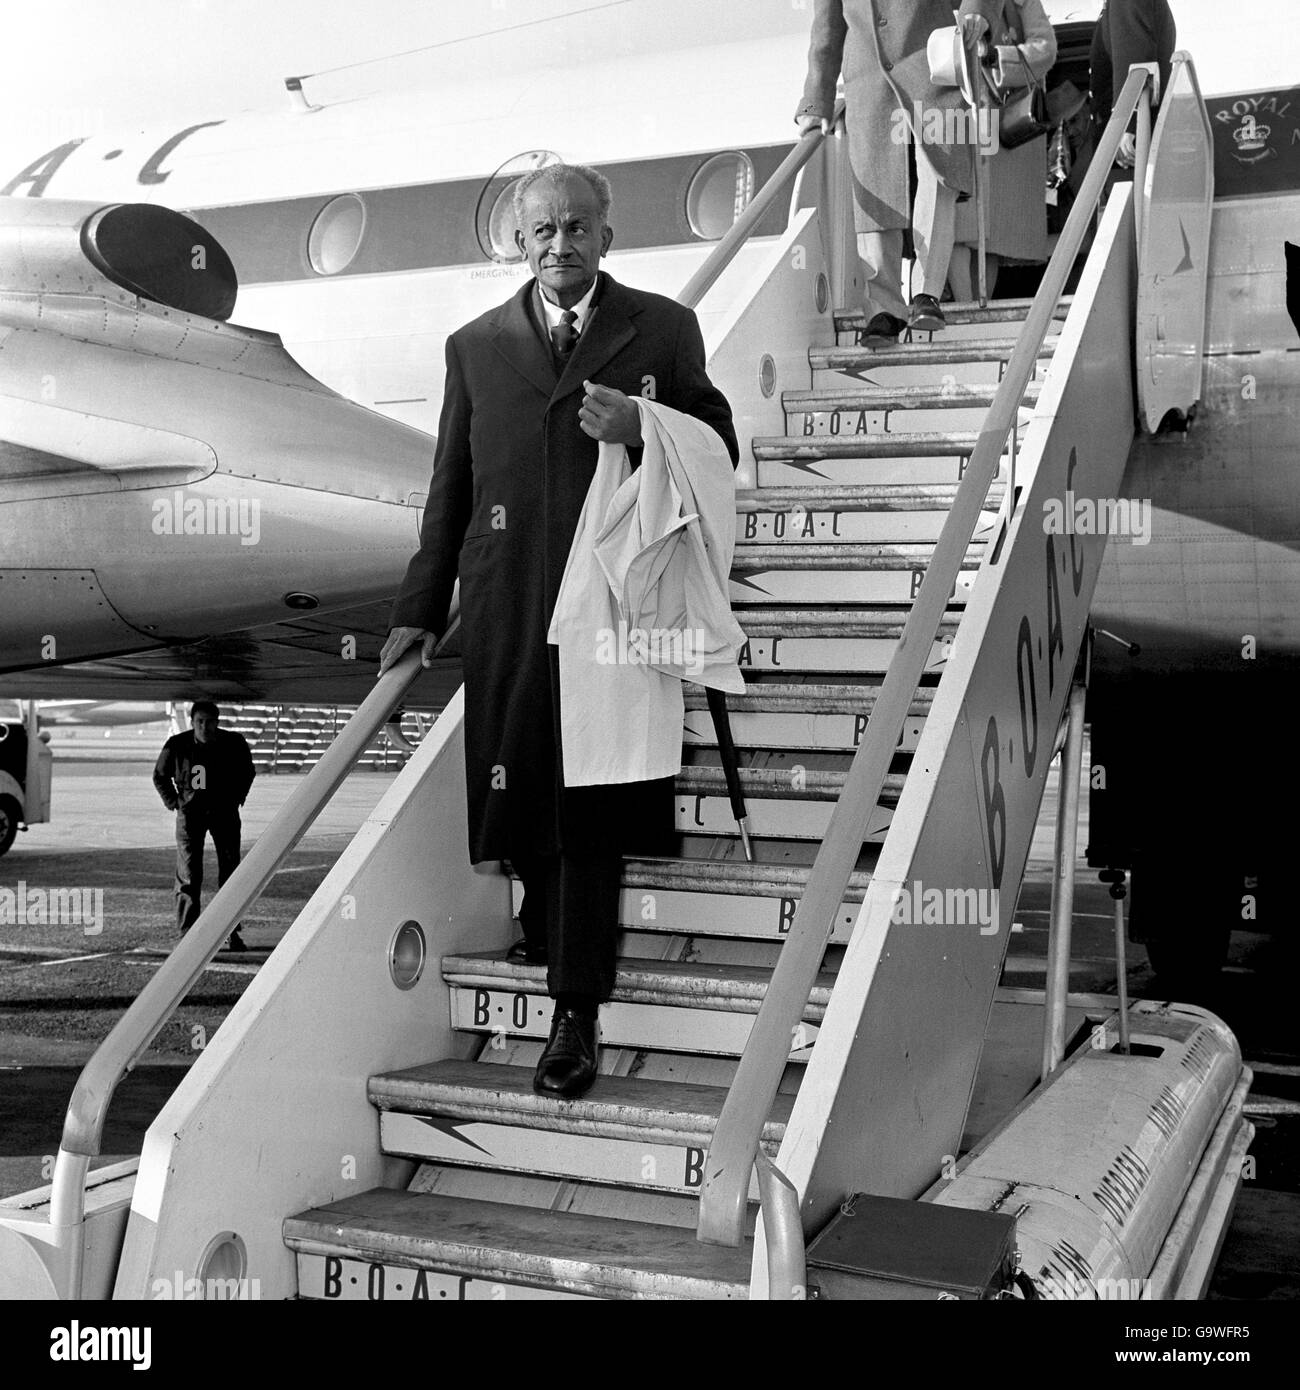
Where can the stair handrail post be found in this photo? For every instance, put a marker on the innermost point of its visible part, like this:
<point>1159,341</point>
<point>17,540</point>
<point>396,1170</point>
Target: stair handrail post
<point>83,1125</point>
<point>787,1267</point>
<point>734,1149</point>
<point>1061,919</point>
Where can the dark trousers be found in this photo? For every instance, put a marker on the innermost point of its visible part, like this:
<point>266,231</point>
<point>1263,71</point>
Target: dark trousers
<point>193,822</point>
<point>571,903</point>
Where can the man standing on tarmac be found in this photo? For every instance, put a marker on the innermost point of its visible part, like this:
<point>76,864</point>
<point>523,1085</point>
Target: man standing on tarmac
<point>204,776</point>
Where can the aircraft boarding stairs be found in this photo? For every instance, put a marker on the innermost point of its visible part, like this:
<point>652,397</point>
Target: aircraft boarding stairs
<point>519,1195</point>
<point>598,1196</point>
<point>785,1032</point>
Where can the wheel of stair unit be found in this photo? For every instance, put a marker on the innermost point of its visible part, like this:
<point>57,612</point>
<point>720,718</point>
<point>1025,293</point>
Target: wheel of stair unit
<point>10,814</point>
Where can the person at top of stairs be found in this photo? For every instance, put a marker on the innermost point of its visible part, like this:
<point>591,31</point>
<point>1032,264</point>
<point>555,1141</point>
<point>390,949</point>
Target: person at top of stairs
<point>1016,208</point>
<point>532,388</point>
<point>891,107</point>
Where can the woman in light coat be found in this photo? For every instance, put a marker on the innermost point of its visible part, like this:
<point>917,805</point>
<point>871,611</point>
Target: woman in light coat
<point>1016,180</point>
<point>880,47</point>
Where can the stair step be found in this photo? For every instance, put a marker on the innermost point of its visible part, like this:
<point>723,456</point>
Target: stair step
<point>917,444</point>
<point>792,782</point>
<point>786,803</point>
<point>935,357</point>
<point>963,313</point>
<point>860,413</point>
<point>665,1006</point>
<point>849,400</point>
<point>493,1242</point>
<point>840,574</point>
<point>815,697</point>
<point>864,514</point>
<point>789,715</point>
<point>847,640</point>
<point>625,1130</point>
<point>893,499</point>
<point>725,898</point>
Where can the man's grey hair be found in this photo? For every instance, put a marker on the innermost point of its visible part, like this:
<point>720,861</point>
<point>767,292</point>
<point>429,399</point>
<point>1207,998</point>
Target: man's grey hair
<point>557,173</point>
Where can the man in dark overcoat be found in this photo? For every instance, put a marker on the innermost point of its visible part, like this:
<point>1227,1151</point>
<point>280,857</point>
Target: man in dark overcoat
<point>880,47</point>
<point>204,775</point>
<point>532,387</point>
<point>1127,32</point>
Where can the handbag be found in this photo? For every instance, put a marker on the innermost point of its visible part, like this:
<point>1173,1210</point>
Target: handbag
<point>1025,117</point>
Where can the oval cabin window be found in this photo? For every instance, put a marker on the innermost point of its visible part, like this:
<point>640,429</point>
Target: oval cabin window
<point>494,218</point>
<point>335,235</point>
<point>501,226</point>
<point>719,192</point>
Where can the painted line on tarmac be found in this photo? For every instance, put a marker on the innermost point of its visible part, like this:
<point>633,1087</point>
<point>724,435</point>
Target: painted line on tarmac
<point>51,951</point>
<point>72,960</point>
<point>221,967</point>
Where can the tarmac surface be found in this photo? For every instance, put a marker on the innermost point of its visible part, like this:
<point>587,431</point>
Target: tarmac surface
<point>61,990</point>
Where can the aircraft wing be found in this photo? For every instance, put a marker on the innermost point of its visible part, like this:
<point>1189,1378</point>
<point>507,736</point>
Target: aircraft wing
<point>184,508</point>
<point>305,659</point>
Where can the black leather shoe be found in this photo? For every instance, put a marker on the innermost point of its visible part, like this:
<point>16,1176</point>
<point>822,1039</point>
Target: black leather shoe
<point>926,315</point>
<point>236,942</point>
<point>882,330</point>
<point>526,951</point>
<point>568,1066</point>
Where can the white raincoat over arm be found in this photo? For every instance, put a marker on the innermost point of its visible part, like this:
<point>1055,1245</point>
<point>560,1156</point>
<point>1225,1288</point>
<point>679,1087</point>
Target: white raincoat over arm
<point>643,601</point>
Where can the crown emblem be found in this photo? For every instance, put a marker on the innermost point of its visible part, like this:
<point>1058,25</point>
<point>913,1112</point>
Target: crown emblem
<point>1250,136</point>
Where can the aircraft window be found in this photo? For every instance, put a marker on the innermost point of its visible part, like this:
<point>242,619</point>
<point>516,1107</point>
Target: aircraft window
<point>719,192</point>
<point>335,235</point>
<point>501,226</point>
<point>494,218</point>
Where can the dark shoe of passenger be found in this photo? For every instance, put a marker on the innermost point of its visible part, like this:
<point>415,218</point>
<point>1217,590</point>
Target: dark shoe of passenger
<point>568,1066</point>
<point>527,952</point>
<point>236,942</point>
<point>882,330</point>
<point>926,315</point>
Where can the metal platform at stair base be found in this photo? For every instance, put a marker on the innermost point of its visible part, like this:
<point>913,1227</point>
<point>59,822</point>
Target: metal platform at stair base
<point>1101,1164</point>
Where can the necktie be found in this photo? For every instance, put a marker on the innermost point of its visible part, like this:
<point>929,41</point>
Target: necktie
<point>563,335</point>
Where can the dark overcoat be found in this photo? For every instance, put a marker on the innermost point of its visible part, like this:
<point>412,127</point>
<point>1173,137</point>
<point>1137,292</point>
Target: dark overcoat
<point>880,47</point>
<point>511,471</point>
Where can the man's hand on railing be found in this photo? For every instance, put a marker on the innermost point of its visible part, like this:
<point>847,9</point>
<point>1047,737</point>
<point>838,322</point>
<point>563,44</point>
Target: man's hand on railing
<point>812,122</point>
<point>1127,156</point>
<point>400,638</point>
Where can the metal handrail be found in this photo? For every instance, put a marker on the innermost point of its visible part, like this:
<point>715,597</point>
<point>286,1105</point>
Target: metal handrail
<point>742,228</point>
<point>157,1001</point>
<point>749,1100</point>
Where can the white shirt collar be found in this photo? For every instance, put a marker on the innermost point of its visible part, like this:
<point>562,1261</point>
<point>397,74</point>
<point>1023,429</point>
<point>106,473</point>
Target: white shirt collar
<point>580,309</point>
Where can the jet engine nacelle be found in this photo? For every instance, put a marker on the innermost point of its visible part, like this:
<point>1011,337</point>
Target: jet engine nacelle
<point>51,246</point>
